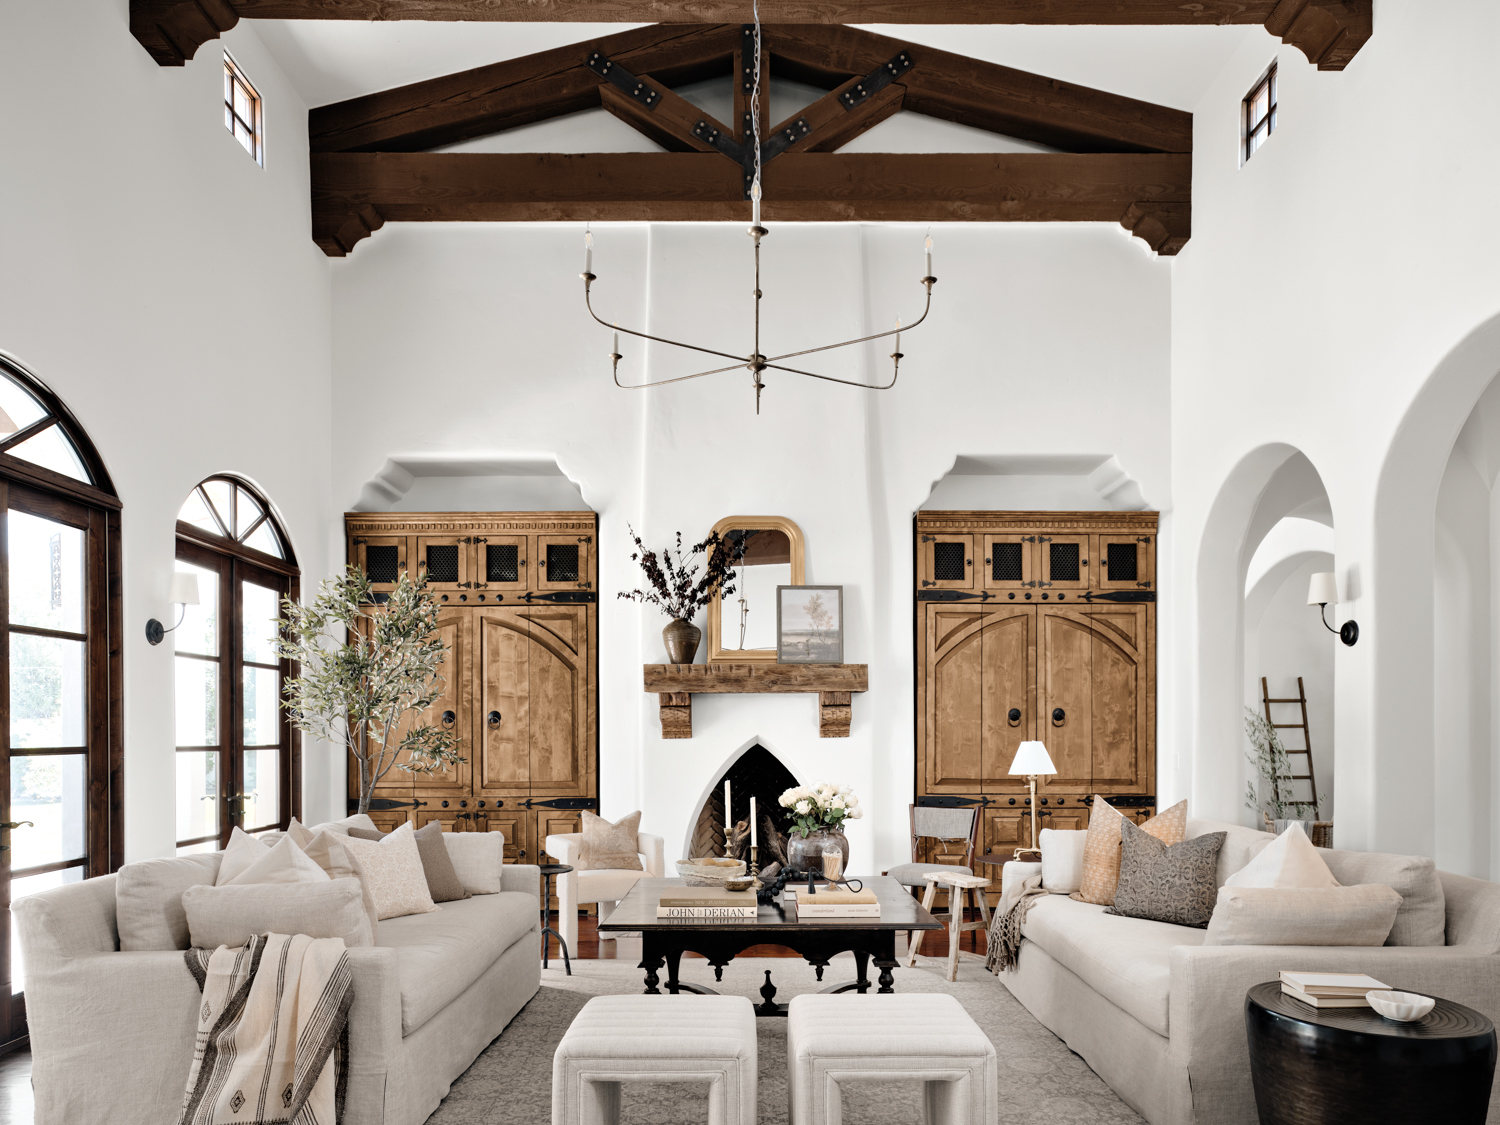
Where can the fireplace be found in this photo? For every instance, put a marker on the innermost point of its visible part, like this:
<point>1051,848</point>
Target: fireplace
<point>758,773</point>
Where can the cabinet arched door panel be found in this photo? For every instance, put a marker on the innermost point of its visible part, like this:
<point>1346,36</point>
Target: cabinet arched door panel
<point>451,710</point>
<point>558,686</point>
<point>504,712</point>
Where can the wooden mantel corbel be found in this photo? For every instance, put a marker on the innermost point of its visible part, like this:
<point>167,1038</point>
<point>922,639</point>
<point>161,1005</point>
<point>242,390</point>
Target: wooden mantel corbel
<point>835,684</point>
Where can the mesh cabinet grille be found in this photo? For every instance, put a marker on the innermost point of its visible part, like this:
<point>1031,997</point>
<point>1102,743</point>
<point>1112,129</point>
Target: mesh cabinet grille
<point>1122,563</point>
<point>382,563</point>
<point>948,562</point>
<point>502,563</point>
<point>562,562</point>
<point>1005,562</point>
<point>442,562</point>
<point>1062,562</point>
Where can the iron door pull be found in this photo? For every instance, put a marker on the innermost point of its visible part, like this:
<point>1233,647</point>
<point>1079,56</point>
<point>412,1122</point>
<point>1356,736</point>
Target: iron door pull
<point>1014,716</point>
<point>449,718</point>
<point>1058,716</point>
<point>494,720</point>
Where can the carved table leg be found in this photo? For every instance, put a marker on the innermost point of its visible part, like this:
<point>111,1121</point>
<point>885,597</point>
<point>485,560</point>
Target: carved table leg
<point>862,977</point>
<point>887,979</point>
<point>674,958</point>
<point>770,1007</point>
<point>651,963</point>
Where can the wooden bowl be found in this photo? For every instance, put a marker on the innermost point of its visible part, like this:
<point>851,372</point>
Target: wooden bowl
<point>710,871</point>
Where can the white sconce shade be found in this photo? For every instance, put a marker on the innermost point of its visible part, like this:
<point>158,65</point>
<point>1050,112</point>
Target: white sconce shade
<point>1031,758</point>
<point>1323,589</point>
<point>184,589</point>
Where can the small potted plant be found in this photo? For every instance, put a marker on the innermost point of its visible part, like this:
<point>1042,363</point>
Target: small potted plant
<point>817,816</point>
<point>677,589</point>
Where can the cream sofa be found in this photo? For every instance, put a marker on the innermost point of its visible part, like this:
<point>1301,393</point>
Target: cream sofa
<point>112,1033</point>
<point>1160,1016</point>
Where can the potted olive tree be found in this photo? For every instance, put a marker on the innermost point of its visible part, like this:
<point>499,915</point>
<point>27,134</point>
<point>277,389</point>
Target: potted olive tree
<point>366,668</point>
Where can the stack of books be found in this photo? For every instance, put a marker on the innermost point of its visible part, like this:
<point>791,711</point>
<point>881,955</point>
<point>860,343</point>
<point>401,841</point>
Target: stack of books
<point>1330,990</point>
<point>707,904</point>
<point>830,904</point>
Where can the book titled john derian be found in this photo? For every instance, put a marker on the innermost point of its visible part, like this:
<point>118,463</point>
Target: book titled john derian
<point>1330,990</point>
<point>707,904</point>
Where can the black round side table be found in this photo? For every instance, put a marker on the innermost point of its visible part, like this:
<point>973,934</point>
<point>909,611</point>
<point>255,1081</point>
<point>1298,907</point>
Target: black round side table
<point>548,870</point>
<point>1342,1066</point>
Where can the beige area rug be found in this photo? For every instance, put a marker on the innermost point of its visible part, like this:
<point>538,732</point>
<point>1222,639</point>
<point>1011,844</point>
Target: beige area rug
<point>1041,1081</point>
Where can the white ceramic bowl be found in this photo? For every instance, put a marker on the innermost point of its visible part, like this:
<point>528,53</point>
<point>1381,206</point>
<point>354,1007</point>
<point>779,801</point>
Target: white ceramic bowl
<point>709,871</point>
<point>1400,1006</point>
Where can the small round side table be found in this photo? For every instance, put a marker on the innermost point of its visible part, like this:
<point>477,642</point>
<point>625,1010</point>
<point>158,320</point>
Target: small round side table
<point>548,870</point>
<point>1339,1066</point>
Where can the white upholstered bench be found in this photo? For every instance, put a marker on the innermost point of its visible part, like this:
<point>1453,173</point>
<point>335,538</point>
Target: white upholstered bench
<point>839,1038</point>
<point>617,1039</point>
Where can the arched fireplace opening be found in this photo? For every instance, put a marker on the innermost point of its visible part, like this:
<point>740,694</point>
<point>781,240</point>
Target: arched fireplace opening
<point>758,773</point>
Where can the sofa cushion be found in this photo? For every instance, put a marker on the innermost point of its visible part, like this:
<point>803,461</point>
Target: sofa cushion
<point>476,857</point>
<point>1420,921</point>
<point>439,955</point>
<point>229,915</point>
<point>148,899</point>
<point>1125,960</point>
<point>1360,915</point>
<point>1291,861</point>
<point>1240,846</point>
<point>1062,859</point>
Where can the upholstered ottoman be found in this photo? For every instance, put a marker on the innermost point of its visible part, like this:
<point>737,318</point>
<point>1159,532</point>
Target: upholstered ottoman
<point>617,1039</point>
<point>839,1038</point>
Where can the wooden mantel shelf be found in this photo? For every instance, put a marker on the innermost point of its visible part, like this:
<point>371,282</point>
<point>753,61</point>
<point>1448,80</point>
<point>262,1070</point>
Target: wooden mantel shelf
<point>835,684</point>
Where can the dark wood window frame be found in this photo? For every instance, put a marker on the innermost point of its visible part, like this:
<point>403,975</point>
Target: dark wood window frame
<point>92,507</point>
<point>234,79</point>
<point>235,564</point>
<point>1253,124</point>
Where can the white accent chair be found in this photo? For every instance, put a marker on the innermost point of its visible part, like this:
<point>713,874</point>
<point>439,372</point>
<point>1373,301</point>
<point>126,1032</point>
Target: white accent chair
<point>607,887</point>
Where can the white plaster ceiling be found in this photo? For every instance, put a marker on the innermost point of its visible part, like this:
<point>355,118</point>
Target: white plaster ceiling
<point>331,60</point>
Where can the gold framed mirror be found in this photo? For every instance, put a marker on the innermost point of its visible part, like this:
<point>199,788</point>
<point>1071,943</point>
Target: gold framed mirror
<point>767,552</point>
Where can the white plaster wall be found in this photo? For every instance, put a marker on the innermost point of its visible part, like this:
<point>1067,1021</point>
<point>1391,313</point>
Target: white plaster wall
<point>1321,289</point>
<point>1042,340</point>
<point>167,289</point>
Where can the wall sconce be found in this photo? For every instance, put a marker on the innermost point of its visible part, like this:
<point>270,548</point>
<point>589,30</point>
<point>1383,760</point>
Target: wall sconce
<point>184,593</point>
<point>1322,592</point>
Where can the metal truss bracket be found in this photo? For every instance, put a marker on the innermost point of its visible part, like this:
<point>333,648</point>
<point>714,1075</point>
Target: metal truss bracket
<point>617,75</point>
<point>875,81</point>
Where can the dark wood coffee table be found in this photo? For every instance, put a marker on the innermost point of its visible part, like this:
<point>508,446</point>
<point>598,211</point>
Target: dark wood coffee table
<point>817,940</point>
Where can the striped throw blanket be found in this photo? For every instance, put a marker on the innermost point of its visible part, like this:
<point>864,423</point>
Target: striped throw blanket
<point>275,1012</point>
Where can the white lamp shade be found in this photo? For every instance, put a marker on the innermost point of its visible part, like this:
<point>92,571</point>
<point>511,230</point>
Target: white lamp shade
<point>1323,589</point>
<point>184,589</point>
<point>1031,757</point>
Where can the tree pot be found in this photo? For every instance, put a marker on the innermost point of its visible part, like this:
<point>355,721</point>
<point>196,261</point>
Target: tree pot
<point>681,638</point>
<point>805,853</point>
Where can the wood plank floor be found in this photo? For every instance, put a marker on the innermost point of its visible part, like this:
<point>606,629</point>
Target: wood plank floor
<point>16,1106</point>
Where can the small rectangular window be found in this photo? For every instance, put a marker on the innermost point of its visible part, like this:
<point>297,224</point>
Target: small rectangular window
<point>1260,113</point>
<point>502,563</point>
<point>562,562</point>
<point>242,110</point>
<point>1005,562</point>
<point>1122,562</point>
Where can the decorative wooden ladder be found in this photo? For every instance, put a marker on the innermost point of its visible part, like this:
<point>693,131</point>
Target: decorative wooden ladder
<point>1306,748</point>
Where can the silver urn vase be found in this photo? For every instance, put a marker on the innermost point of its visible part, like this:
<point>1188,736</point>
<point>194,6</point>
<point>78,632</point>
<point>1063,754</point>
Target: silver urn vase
<point>805,853</point>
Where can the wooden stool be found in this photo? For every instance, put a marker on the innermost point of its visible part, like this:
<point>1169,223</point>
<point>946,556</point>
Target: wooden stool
<point>957,884</point>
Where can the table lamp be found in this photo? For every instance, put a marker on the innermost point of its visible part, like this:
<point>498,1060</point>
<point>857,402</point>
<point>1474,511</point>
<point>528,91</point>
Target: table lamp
<point>1032,761</point>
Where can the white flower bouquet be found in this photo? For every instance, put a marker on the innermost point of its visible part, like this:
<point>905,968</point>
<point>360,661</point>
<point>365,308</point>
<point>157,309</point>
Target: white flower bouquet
<point>822,806</point>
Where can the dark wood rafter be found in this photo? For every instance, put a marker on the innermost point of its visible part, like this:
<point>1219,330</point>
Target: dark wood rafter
<point>1329,32</point>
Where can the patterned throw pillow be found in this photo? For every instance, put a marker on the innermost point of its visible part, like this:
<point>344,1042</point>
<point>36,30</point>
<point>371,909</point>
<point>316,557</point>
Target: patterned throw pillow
<point>442,881</point>
<point>610,847</point>
<point>392,869</point>
<point>1101,852</point>
<point>1167,883</point>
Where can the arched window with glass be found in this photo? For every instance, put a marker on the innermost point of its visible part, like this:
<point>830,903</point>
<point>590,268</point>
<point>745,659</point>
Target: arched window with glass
<point>61,750</point>
<point>238,756</point>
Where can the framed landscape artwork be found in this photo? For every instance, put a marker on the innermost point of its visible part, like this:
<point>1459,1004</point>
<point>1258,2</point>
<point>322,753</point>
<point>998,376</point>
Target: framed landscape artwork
<point>809,624</point>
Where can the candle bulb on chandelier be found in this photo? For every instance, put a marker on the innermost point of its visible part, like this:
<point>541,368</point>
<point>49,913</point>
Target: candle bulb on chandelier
<point>929,255</point>
<point>616,348</point>
<point>588,254</point>
<point>755,202</point>
<point>898,332</point>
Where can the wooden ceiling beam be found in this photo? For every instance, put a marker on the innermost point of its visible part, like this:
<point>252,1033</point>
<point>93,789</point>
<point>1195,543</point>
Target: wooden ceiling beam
<point>985,95</point>
<point>1329,32</point>
<point>353,193</point>
<point>674,122</point>
<point>829,124</point>
<point>489,99</point>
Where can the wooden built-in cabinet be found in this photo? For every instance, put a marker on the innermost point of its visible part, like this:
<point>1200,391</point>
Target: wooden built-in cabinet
<point>1036,626</point>
<point>519,613</point>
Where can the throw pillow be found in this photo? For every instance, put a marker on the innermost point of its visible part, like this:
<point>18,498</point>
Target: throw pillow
<point>284,863</point>
<point>1166,882</point>
<point>229,915</point>
<point>327,850</point>
<point>1422,919</point>
<point>242,850</point>
<point>443,882</point>
<point>1062,859</point>
<point>477,857</point>
<point>341,827</point>
<point>610,847</point>
<point>148,899</point>
<point>1290,861</point>
<point>1101,853</point>
<point>1359,915</point>
<point>392,869</point>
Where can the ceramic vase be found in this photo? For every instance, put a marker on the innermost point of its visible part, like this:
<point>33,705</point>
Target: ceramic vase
<point>681,638</point>
<point>805,853</point>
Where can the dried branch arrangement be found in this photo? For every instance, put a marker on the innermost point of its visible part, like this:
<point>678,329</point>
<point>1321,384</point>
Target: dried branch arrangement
<point>675,585</point>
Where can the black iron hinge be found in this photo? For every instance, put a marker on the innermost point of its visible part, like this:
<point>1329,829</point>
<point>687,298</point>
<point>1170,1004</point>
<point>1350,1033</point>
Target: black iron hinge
<point>564,597</point>
<point>383,804</point>
<point>1118,596</point>
<point>953,596</point>
<point>562,803</point>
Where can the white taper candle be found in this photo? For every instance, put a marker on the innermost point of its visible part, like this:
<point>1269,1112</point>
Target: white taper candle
<point>752,822</point>
<point>588,254</point>
<point>929,255</point>
<point>727,821</point>
<point>755,202</point>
